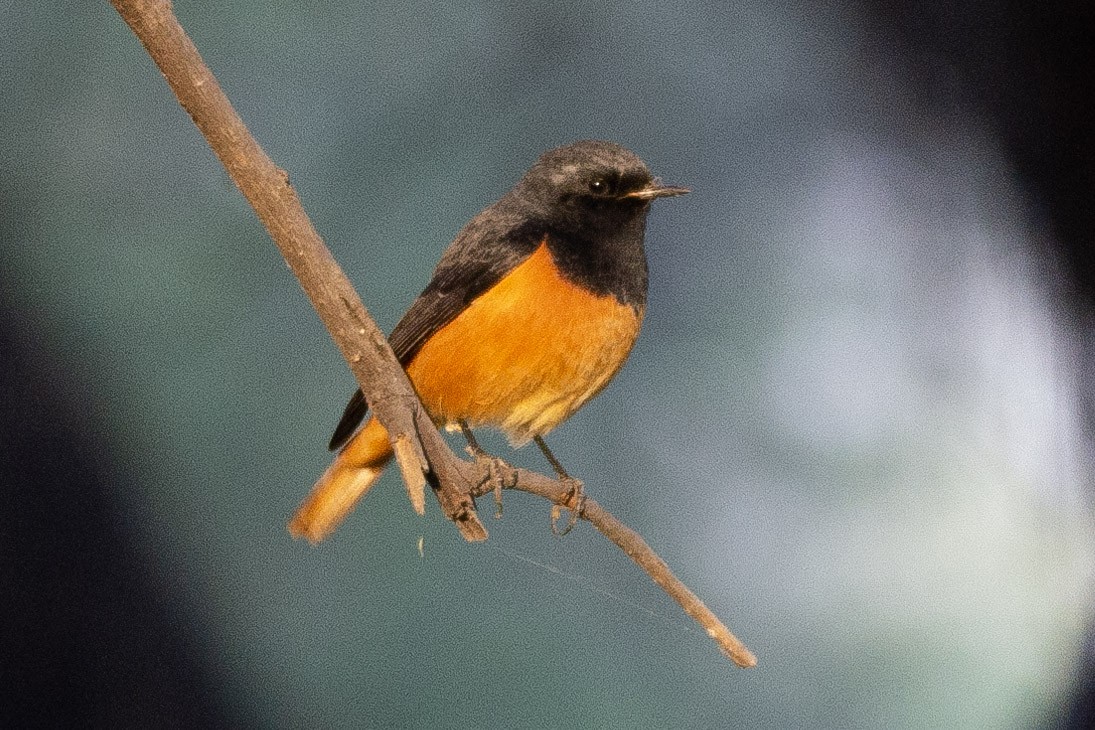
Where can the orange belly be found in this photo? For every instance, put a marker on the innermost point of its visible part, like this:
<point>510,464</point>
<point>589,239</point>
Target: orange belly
<point>526,354</point>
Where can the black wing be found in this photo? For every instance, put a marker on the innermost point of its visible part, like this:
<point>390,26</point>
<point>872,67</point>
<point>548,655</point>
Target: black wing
<point>353,415</point>
<point>488,248</point>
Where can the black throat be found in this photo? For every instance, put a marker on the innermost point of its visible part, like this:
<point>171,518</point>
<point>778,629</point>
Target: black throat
<point>605,260</point>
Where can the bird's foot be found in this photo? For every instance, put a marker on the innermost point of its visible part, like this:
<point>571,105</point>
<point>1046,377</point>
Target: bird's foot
<point>494,475</point>
<point>574,504</point>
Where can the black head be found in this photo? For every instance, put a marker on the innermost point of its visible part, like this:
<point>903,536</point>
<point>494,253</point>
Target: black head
<point>589,200</point>
<point>589,185</point>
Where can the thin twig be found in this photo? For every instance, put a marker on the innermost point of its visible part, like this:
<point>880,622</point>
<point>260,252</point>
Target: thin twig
<point>387,390</point>
<point>495,471</point>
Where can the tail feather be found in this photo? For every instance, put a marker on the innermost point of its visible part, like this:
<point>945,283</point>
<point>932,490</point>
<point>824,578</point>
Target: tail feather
<point>354,471</point>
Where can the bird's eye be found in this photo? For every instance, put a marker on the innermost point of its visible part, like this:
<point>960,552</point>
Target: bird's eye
<point>600,186</point>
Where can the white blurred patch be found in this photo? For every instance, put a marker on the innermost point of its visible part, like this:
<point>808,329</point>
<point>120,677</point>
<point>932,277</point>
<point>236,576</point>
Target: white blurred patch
<point>914,517</point>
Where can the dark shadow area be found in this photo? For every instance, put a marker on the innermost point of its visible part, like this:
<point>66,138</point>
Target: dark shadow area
<point>1028,69</point>
<point>91,637</point>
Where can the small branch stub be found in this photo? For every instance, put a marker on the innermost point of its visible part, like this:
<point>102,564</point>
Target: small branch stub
<point>413,472</point>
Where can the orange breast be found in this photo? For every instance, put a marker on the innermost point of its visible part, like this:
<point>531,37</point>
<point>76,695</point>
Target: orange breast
<point>526,354</point>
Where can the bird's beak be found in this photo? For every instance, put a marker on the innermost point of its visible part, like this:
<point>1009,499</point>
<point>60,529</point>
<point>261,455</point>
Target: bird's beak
<point>656,190</point>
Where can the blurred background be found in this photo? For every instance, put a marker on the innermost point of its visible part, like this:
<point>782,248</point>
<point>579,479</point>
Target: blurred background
<point>857,424</point>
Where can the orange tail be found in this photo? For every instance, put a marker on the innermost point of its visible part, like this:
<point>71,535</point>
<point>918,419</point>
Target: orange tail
<point>356,468</point>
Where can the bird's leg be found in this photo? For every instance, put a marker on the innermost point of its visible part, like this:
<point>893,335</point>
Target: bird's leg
<point>575,500</point>
<point>473,445</point>
<point>492,462</point>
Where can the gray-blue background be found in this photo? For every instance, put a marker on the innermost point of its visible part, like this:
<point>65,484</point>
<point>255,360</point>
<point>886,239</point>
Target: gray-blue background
<point>851,424</point>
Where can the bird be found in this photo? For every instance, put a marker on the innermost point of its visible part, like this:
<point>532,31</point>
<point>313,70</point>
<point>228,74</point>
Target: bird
<point>531,311</point>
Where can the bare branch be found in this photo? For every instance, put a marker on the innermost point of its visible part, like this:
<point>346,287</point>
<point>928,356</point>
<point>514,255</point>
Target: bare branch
<point>267,189</point>
<point>626,539</point>
<point>422,453</point>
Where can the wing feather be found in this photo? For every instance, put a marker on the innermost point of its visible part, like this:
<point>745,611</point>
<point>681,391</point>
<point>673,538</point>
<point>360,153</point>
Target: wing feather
<point>487,249</point>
